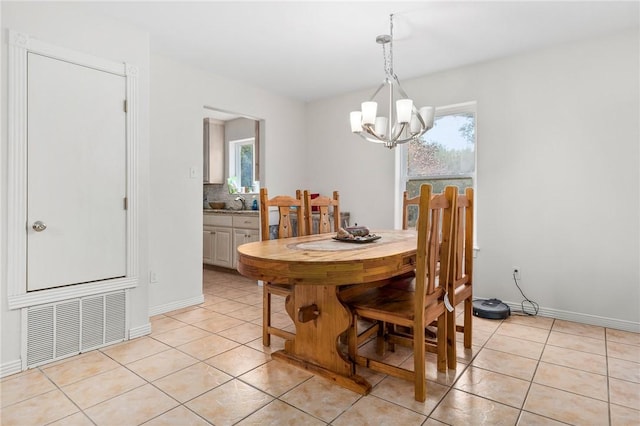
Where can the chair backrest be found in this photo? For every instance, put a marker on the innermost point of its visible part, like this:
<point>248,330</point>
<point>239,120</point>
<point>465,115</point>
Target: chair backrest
<point>409,209</point>
<point>325,207</point>
<point>284,204</point>
<point>434,227</point>
<point>462,251</point>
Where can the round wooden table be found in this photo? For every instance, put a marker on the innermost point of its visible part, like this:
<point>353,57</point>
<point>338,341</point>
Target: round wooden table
<point>317,265</point>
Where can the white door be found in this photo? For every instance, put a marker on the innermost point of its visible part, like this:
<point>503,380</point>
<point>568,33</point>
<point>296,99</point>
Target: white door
<point>76,180</point>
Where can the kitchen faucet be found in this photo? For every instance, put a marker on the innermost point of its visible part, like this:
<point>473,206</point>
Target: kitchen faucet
<point>243,201</point>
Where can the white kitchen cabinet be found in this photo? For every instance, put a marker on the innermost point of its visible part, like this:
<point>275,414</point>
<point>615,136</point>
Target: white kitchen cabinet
<point>222,235</point>
<point>245,230</point>
<point>221,243</point>
<point>218,242</point>
<point>207,247</point>
<point>217,246</point>
<point>242,236</point>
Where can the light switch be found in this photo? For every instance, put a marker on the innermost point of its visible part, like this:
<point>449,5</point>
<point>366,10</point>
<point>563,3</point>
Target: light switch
<point>193,172</point>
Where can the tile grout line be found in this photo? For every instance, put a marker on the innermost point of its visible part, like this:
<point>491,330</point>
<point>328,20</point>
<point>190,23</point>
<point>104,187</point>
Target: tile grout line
<point>533,375</point>
<point>80,410</point>
<point>468,365</point>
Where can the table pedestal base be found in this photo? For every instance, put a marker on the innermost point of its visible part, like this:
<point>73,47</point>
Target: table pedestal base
<point>354,382</point>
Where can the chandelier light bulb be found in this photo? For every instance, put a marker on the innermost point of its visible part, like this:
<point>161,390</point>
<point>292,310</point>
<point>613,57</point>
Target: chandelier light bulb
<point>404,109</point>
<point>381,126</point>
<point>356,121</point>
<point>369,110</point>
<point>428,114</point>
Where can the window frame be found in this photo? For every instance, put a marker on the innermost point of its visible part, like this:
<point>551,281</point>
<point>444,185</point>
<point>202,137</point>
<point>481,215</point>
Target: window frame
<point>235,168</point>
<point>402,177</point>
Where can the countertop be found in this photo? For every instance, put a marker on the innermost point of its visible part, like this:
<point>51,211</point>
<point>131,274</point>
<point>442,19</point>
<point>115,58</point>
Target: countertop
<point>229,211</point>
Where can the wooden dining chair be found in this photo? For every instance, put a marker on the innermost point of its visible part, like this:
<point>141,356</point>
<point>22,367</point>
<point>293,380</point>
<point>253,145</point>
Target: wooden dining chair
<point>460,283</point>
<point>284,205</point>
<point>418,307</point>
<point>409,205</point>
<point>325,207</point>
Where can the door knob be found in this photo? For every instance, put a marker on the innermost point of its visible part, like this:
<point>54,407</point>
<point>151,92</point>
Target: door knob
<point>39,226</point>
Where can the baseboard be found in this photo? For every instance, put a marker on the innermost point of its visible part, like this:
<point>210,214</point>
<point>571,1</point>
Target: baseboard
<point>614,323</point>
<point>140,331</point>
<point>179,304</point>
<point>10,368</point>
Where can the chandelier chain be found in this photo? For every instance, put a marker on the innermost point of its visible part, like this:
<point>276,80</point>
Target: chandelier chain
<point>388,64</point>
<point>388,55</point>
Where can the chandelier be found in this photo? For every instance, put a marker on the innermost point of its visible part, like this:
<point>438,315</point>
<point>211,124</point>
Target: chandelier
<point>410,122</point>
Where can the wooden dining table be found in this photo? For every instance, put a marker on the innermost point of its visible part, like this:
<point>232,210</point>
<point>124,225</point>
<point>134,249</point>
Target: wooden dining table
<point>317,266</point>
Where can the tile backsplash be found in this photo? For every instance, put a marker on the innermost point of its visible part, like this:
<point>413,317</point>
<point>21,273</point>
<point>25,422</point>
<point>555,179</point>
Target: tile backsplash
<point>212,192</point>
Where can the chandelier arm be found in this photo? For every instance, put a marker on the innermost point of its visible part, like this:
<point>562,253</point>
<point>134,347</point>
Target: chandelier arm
<point>397,133</point>
<point>420,119</point>
<point>378,90</point>
<point>362,135</point>
<point>403,141</point>
<point>369,129</point>
<point>400,89</point>
<point>413,137</point>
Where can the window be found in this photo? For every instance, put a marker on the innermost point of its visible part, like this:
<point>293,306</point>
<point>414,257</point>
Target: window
<point>445,155</point>
<point>242,161</point>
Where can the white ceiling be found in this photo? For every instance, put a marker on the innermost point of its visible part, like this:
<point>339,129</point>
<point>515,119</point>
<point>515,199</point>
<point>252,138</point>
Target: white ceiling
<point>310,50</point>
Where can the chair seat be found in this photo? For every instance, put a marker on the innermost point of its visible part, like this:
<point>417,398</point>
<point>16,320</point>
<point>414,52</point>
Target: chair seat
<point>383,303</point>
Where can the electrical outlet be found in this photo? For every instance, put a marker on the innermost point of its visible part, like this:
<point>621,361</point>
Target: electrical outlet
<point>517,273</point>
<point>153,278</point>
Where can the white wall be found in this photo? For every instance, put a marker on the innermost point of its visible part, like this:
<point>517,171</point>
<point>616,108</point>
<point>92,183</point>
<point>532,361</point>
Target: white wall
<point>558,182</point>
<point>178,94</point>
<point>62,25</point>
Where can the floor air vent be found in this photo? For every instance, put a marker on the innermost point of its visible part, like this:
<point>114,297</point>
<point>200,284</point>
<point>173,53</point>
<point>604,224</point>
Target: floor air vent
<point>73,326</point>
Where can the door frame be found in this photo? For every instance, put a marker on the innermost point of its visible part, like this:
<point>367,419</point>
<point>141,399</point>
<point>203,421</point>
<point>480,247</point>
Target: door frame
<point>19,46</point>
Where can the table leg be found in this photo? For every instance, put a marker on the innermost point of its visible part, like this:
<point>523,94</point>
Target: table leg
<point>315,346</point>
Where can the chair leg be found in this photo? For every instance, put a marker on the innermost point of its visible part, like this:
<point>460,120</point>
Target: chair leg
<point>419,368</point>
<point>266,316</point>
<point>452,356</point>
<point>442,342</point>
<point>468,317</point>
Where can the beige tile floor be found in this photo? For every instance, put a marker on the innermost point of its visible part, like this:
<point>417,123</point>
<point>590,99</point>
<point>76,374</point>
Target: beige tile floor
<point>206,365</point>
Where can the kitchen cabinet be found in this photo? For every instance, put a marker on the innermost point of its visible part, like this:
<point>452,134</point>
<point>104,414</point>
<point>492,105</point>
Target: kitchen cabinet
<point>213,167</point>
<point>245,230</point>
<point>221,243</point>
<point>217,244</point>
<point>224,232</point>
<point>207,246</point>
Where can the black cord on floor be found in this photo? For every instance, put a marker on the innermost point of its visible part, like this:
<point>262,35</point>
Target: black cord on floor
<point>533,304</point>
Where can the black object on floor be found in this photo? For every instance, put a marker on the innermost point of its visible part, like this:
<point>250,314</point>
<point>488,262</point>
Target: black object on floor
<point>491,309</point>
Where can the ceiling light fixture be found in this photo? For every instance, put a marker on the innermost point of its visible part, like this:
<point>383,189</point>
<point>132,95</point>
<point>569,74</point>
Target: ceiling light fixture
<point>410,122</point>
